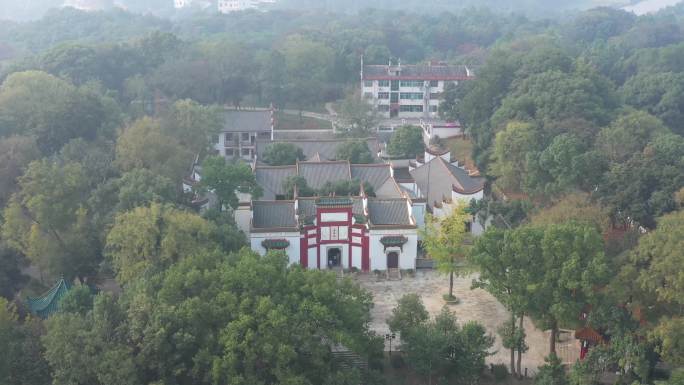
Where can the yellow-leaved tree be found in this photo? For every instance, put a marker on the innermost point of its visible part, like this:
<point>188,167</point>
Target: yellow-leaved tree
<point>444,240</point>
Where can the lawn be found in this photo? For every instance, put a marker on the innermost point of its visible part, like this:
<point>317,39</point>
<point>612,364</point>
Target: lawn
<point>294,122</point>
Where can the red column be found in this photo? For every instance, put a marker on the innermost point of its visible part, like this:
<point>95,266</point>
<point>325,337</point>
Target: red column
<point>365,253</point>
<point>304,252</point>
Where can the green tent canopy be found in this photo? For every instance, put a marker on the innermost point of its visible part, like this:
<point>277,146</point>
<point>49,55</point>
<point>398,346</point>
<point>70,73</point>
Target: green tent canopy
<point>48,304</point>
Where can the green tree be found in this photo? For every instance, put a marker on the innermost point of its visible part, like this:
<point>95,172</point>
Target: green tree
<point>513,338</point>
<point>192,124</point>
<point>140,187</point>
<point>23,362</point>
<point>11,277</point>
<point>53,110</point>
<point>149,239</point>
<point>226,180</point>
<point>643,187</point>
<point>144,145</point>
<point>358,116</point>
<point>628,135</point>
<point>511,148</point>
<point>571,265</point>
<point>409,313</point>
<point>440,347</point>
<point>248,319</point>
<point>505,260</point>
<point>16,152</point>
<point>282,154</point>
<point>448,108</point>
<point>96,159</point>
<point>659,93</point>
<point>652,267</point>
<point>298,182</point>
<point>46,221</point>
<point>91,348</point>
<point>78,300</point>
<point>407,141</point>
<point>355,151</point>
<point>444,240</point>
<point>551,373</point>
<point>561,167</point>
<point>309,65</point>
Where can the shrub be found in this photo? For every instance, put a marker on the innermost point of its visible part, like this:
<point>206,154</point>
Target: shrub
<point>397,361</point>
<point>500,372</point>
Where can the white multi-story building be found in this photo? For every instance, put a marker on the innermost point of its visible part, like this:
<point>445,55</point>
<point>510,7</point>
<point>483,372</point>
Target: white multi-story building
<point>409,91</point>
<point>227,6</point>
<point>178,4</point>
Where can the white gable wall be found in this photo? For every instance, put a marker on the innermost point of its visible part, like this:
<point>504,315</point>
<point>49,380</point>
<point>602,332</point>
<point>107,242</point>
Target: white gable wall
<point>292,250</point>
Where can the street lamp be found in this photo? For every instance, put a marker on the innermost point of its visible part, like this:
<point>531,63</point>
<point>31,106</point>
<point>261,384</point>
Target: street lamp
<point>389,337</point>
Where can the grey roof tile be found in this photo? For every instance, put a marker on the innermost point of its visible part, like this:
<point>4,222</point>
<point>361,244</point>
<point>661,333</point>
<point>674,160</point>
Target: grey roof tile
<point>273,214</point>
<point>388,212</point>
<point>317,174</point>
<point>375,175</point>
<point>246,121</point>
<point>437,179</point>
<point>272,177</point>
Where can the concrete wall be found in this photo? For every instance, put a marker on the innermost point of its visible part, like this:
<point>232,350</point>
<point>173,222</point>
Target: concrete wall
<point>243,219</point>
<point>378,254</point>
<point>418,212</point>
<point>292,251</point>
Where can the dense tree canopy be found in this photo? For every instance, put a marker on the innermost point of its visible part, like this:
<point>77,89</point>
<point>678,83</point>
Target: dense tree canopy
<point>216,317</point>
<point>153,238</point>
<point>406,142</point>
<point>282,154</point>
<point>356,152</point>
<point>144,145</point>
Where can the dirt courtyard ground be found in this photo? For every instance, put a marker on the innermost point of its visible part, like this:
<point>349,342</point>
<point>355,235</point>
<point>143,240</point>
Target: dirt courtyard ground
<point>475,305</point>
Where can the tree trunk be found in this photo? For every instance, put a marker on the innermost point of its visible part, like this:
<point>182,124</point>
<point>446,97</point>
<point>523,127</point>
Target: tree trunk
<point>520,352</point>
<point>513,347</point>
<point>552,338</point>
<point>451,285</point>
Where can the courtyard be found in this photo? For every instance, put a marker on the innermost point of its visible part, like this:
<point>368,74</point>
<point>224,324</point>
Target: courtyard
<point>475,305</point>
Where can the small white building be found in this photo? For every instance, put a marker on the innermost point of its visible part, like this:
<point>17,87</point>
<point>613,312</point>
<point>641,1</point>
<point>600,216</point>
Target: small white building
<point>338,232</point>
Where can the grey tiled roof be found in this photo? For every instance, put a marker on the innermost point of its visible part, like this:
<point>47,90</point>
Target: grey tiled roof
<point>388,212</point>
<point>317,174</point>
<point>273,214</point>
<point>318,150</point>
<point>464,181</point>
<point>246,121</point>
<point>446,72</point>
<point>375,175</point>
<point>271,178</point>
<point>437,179</point>
<point>402,174</point>
<point>307,206</point>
